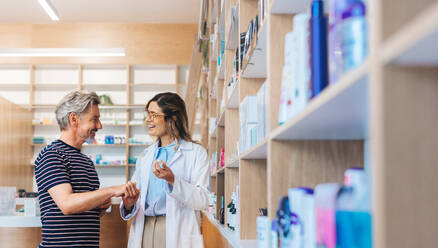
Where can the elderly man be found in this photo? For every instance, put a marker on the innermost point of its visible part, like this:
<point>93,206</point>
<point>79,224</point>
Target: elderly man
<point>68,186</point>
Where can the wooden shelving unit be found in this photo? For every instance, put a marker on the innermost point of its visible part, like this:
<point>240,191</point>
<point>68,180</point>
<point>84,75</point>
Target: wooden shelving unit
<point>381,115</point>
<point>39,87</point>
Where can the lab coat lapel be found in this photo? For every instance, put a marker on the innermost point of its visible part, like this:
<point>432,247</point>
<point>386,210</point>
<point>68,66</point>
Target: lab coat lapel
<point>177,154</point>
<point>148,160</point>
<point>184,146</point>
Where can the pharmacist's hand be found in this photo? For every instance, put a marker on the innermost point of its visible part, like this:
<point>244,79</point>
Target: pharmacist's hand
<point>131,195</point>
<point>164,172</point>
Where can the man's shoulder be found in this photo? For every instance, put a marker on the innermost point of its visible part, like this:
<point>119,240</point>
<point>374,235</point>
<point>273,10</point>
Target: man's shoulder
<point>52,150</point>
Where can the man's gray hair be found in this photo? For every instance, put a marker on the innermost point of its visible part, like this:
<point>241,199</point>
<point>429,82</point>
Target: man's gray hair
<point>75,102</point>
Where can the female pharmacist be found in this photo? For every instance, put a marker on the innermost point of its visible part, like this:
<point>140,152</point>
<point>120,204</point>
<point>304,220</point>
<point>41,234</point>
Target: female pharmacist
<point>172,176</point>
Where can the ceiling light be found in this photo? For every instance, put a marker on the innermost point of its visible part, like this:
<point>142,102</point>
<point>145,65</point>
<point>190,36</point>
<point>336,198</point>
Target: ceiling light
<point>50,10</point>
<point>62,52</point>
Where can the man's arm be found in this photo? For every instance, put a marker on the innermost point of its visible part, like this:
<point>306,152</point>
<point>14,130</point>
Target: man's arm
<point>72,203</point>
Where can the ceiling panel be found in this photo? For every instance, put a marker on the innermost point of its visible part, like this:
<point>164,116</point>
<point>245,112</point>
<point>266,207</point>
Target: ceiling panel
<point>111,11</point>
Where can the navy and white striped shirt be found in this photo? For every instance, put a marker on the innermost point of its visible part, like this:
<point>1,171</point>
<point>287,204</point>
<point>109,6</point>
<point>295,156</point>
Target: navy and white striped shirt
<point>61,163</point>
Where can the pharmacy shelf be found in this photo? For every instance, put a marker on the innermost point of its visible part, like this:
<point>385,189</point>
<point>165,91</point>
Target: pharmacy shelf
<point>230,236</point>
<point>254,63</point>
<point>289,6</point>
<point>154,86</point>
<point>103,124</point>
<point>259,151</point>
<point>131,106</point>
<point>105,87</point>
<point>14,87</point>
<point>340,112</point>
<point>213,92</point>
<point>45,125</point>
<point>136,125</point>
<point>115,125</point>
<point>213,134</point>
<point>139,144</point>
<point>20,221</point>
<point>222,17</point>
<point>221,69</point>
<point>221,121</point>
<point>415,43</point>
<point>115,106</point>
<point>215,47</point>
<point>233,100</point>
<point>110,165</point>
<point>55,87</point>
<point>233,164</point>
<point>104,145</point>
<point>220,170</point>
<point>215,8</point>
<point>233,41</point>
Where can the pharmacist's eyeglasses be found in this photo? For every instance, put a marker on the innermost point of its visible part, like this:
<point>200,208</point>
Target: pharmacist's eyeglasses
<point>152,115</point>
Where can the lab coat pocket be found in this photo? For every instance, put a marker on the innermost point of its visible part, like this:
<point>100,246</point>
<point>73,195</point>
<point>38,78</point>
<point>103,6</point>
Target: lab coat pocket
<point>193,241</point>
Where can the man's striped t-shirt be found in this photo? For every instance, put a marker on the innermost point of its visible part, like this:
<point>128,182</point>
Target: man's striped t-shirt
<point>56,164</point>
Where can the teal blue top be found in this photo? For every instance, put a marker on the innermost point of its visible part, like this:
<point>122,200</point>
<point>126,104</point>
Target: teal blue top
<point>156,194</point>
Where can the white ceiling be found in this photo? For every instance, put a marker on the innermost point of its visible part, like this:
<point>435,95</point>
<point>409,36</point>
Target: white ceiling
<point>111,11</point>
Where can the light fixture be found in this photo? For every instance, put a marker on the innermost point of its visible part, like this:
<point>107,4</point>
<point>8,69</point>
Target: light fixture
<point>62,52</point>
<point>50,10</point>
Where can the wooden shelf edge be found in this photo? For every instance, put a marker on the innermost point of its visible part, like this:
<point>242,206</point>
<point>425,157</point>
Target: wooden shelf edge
<point>229,235</point>
<point>412,33</point>
<point>254,43</point>
<point>233,163</point>
<point>220,170</point>
<point>221,122</point>
<point>247,154</point>
<point>234,95</point>
<point>328,94</point>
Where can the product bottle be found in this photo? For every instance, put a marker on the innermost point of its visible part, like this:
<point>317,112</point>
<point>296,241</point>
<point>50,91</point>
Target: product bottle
<point>318,43</point>
<point>353,36</point>
<point>274,235</point>
<point>353,217</point>
<point>325,207</point>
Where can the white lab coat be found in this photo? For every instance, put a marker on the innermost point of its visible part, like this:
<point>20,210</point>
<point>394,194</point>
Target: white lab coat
<point>183,204</point>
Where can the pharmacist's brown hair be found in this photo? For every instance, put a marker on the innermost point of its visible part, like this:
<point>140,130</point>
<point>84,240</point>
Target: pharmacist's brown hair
<point>175,114</point>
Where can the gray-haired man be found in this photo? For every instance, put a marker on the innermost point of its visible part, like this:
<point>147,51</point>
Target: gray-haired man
<point>68,186</point>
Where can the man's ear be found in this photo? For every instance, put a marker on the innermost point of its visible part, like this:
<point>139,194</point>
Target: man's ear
<point>73,119</point>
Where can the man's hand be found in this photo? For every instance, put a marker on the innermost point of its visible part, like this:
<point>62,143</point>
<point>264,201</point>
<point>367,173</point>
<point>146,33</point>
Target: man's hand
<point>119,190</point>
<point>163,173</point>
<point>131,195</point>
<point>103,207</point>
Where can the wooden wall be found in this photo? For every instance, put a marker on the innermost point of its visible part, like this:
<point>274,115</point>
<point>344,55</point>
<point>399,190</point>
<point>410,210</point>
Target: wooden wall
<point>15,146</point>
<point>143,43</point>
<point>19,237</point>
